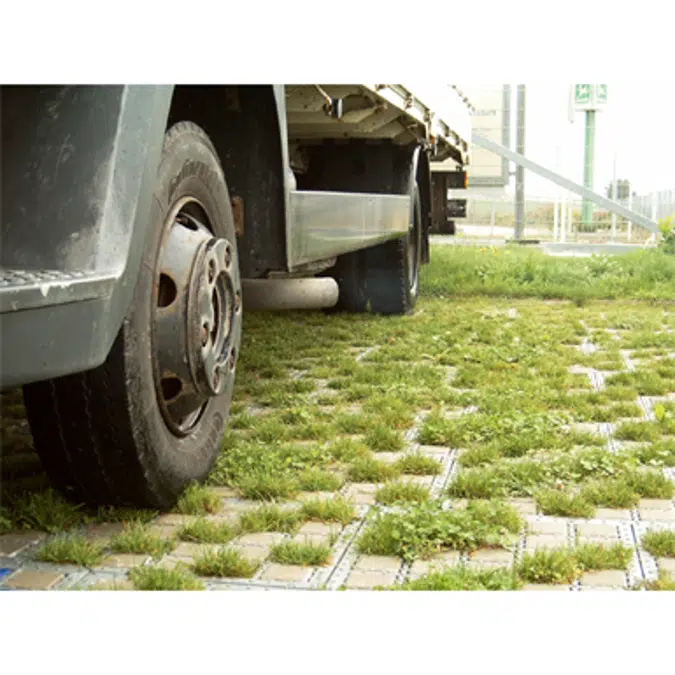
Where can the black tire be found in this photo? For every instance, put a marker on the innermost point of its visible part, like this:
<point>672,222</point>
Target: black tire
<point>101,435</point>
<point>349,272</point>
<point>393,267</point>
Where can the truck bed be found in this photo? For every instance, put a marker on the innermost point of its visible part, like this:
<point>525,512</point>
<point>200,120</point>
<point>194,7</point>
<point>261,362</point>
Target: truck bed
<point>441,114</point>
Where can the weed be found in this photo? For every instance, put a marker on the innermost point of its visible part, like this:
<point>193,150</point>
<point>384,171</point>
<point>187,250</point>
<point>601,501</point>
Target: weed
<point>270,518</point>
<point>76,550</point>
<point>553,566</point>
<point>312,480</point>
<point>664,583</point>
<point>461,578</point>
<point>47,511</point>
<point>591,556</point>
<point>611,493</point>
<point>382,438</point>
<point>207,532</point>
<point>162,579</point>
<point>333,510</point>
<point>347,450</point>
<point>650,484</point>
<point>418,465</point>
<point>224,563</point>
<point>559,503</point>
<point>267,486</point>
<point>398,492</point>
<point>295,553</point>
<point>138,539</point>
<point>368,470</point>
<point>660,543</point>
<point>637,431</point>
<point>198,500</point>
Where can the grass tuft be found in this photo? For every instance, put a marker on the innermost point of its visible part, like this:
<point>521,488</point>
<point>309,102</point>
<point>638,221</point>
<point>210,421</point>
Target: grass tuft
<point>418,465</point>
<point>369,470</point>
<point>138,539</point>
<point>315,480</point>
<point>224,563</point>
<point>207,532</point>
<point>461,578</point>
<point>270,518</point>
<point>332,511</point>
<point>162,579</point>
<point>659,543</point>
<point>198,500</point>
<point>558,503</point>
<point>555,566</point>
<point>296,553</point>
<point>71,549</point>
<point>401,492</point>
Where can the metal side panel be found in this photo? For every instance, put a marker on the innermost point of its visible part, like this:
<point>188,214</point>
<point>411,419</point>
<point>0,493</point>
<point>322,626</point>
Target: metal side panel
<point>325,224</point>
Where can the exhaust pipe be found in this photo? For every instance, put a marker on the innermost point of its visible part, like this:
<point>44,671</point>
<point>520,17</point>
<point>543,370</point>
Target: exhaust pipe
<point>290,294</point>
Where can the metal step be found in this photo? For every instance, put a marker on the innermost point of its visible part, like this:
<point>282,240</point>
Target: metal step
<point>24,289</point>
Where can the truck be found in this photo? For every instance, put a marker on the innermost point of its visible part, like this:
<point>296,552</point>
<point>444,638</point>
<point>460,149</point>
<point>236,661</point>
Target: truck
<point>139,221</point>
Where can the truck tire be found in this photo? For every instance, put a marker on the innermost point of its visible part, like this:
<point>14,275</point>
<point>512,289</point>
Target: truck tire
<point>139,428</point>
<point>350,274</point>
<point>393,268</point>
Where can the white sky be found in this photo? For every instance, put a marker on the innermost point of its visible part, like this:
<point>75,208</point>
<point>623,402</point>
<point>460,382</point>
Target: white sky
<point>637,124</point>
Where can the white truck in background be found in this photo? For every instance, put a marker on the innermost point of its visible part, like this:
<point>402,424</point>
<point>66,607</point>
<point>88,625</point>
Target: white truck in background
<point>133,218</point>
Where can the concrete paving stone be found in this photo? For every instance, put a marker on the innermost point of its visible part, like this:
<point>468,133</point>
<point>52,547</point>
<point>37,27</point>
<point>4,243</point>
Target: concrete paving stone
<point>378,563</point>
<point>104,531</point>
<point>124,560</point>
<point>189,549</point>
<point>176,519</point>
<point>237,506</point>
<point>117,585</point>
<point>317,528</point>
<point>225,492</point>
<point>34,580</point>
<point>165,532</point>
<point>540,541</point>
<point>587,428</point>
<point>170,562</point>
<point>424,481</point>
<point>597,531</point>
<point>612,514</point>
<point>496,556</point>
<point>365,488</point>
<point>656,505</point>
<point>367,579</point>
<point>277,572</point>
<point>545,587</point>
<point>653,515</point>
<point>667,565</point>
<point>312,539</point>
<point>552,527</point>
<point>433,451</point>
<point>252,553</point>
<point>11,544</point>
<point>604,578</point>
<point>260,539</point>
<point>390,457</point>
<point>320,495</point>
<point>438,563</point>
<point>526,507</point>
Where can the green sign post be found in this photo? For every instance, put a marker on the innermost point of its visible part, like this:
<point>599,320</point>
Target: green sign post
<point>589,98</point>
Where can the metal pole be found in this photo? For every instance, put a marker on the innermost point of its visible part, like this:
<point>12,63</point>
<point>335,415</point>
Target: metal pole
<point>614,199</point>
<point>589,161</point>
<point>563,217</point>
<point>555,219</point>
<point>520,171</point>
<point>630,208</point>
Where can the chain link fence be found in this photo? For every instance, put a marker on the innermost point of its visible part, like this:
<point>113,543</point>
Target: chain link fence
<point>548,219</point>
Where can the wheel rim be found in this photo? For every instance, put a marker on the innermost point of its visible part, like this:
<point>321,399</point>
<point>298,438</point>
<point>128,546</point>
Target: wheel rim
<point>414,245</point>
<point>197,316</point>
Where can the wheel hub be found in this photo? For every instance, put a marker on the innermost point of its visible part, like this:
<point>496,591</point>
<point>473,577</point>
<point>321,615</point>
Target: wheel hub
<point>197,319</point>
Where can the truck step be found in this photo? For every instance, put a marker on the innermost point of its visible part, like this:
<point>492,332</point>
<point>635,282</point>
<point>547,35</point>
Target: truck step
<point>24,289</point>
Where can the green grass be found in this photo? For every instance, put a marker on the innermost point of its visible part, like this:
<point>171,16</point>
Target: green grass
<point>427,528</point>
<point>46,511</point>
<point>224,563</point>
<point>269,486</point>
<point>560,503</point>
<point>401,492</point>
<point>593,556</point>
<point>270,518</point>
<point>71,549</point>
<point>295,553</point>
<point>644,432</point>
<point>552,566</point>
<point>664,583</point>
<point>418,465</point>
<point>660,543</point>
<point>162,579</point>
<point>198,500</point>
<point>313,480</point>
<point>384,439</point>
<point>138,539</point>
<point>611,493</point>
<point>461,578</point>
<point>368,470</point>
<point>207,532</point>
<point>337,510</point>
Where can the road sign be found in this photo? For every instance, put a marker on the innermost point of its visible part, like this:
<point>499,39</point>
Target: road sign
<point>590,96</point>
